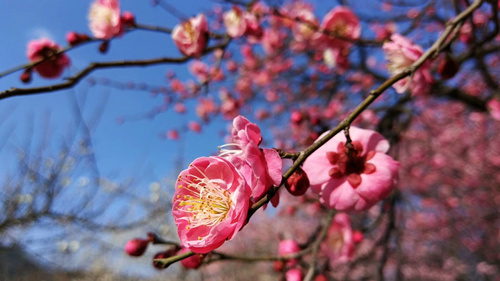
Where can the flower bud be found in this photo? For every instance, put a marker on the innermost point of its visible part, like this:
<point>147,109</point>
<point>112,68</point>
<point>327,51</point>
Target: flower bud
<point>193,261</point>
<point>26,76</point>
<point>320,277</point>
<point>128,19</point>
<point>278,266</point>
<point>294,274</point>
<point>74,38</point>
<point>163,255</point>
<point>296,117</point>
<point>103,48</point>
<point>448,67</point>
<point>357,236</point>
<point>288,247</point>
<point>298,183</point>
<point>136,247</point>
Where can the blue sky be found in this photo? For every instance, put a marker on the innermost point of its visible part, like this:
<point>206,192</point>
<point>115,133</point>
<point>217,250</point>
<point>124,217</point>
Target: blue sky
<point>118,147</point>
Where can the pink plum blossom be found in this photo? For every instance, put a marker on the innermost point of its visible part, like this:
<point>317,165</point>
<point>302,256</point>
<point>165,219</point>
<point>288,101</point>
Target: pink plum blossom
<point>104,19</point>
<point>356,178</point>
<point>191,36</point>
<point>339,244</point>
<point>239,23</point>
<point>210,203</point>
<point>260,167</point>
<point>402,53</point>
<point>45,48</point>
<point>305,28</point>
<point>288,247</point>
<point>293,274</point>
<point>340,23</point>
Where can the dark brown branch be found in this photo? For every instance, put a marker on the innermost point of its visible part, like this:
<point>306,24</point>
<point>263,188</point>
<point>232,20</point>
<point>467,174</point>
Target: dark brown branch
<point>71,81</point>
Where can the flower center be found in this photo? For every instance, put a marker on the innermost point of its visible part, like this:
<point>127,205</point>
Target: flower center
<point>188,27</point>
<point>339,28</point>
<point>350,162</point>
<point>397,62</point>
<point>335,241</point>
<point>206,202</point>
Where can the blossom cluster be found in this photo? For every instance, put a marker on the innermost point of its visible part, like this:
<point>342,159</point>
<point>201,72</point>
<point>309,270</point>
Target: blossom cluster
<point>213,195</point>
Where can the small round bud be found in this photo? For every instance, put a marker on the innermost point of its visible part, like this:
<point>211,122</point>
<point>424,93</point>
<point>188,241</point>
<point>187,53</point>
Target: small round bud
<point>320,277</point>
<point>103,48</point>
<point>294,274</point>
<point>128,19</point>
<point>448,67</point>
<point>298,183</point>
<point>357,236</point>
<point>278,266</point>
<point>193,262</point>
<point>136,247</point>
<point>74,38</point>
<point>26,76</point>
<point>296,117</point>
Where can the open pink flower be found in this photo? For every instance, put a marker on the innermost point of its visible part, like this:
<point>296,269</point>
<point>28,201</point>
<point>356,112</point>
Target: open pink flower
<point>339,244</point>
<point>239,23</point>
<point>191,36</point>
<point>210,203</point>
<point>352,179</point>
<point>260,167</point>
<point>305,28</point>
<point>43,48</point>
<point>104,19</point>
<point>402,53</point>
<point>288,247</point>
<point>340,23</point>
<point>293,274</point>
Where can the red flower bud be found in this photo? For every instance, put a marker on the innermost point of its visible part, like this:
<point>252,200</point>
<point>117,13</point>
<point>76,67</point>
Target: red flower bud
<point>193,261</point>
<point>320,277</point>
<point>278,266</point>
<point>163,255</point>
<point>357,236</point>
<point>136,247</point>
<point>103,48</point>
<point>128,19</point>
<point>298,183</point>
<point>74,38</point>
<point>448,67</point>
<point>296,117</point>
<point>26,76</point>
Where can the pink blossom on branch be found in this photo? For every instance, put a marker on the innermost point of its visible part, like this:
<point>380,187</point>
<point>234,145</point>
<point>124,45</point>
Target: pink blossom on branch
<point>339,244</point>
<point>402,53</point>
<point>45,48</point>
<point>340,23</point>
<point>239,23</point>
<point>191,36</point>
<point>352,179</point>
<point>104,19</point>
<point>210,203</point>
<point>260,167</point>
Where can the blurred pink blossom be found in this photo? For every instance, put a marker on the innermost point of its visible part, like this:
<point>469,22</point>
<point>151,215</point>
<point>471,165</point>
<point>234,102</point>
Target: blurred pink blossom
<point>401,53</point>
<point>45,48</point>
<point>104,19</point>
<point>191,36</point>
<point>338,244</point>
